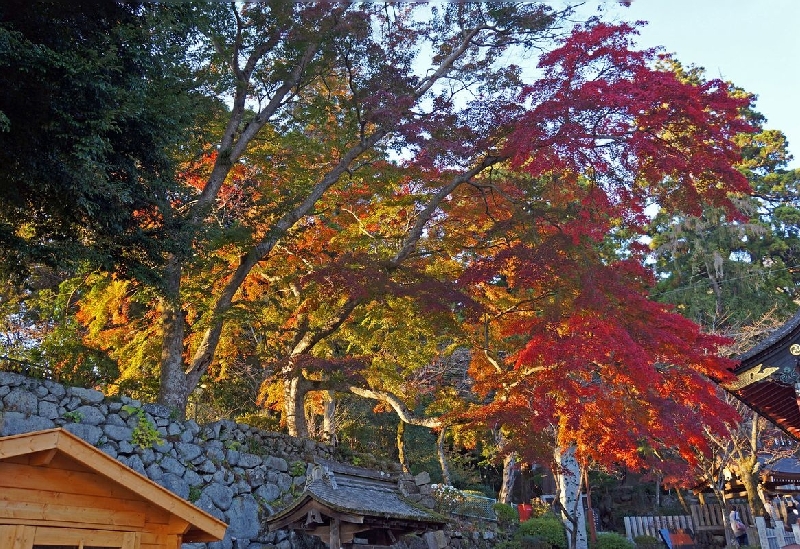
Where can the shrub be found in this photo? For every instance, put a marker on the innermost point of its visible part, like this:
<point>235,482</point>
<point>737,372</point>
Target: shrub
<point>263,421</point>
<point>547,528</point>
<point>646,542</point>
<point>613,540</point>
<point>508,544</point>
<point>506,514</point>
<point>533,542</point>
<point>145,434</point>
<point>540,508</point>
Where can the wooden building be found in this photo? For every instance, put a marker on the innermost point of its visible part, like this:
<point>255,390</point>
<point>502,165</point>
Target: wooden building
<point>768,381</point>
<point>57,491</point>
<point>349,506</point>
<point>768,377</point>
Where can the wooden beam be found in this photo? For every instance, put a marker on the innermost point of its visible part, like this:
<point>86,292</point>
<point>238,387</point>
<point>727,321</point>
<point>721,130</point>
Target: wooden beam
<point>173,525</point>
<point>70,507</point>
<point>296,514</point>
<point>68,536</point>
<point>344,517</point>
<point>16,475</point>
<point>16,536</point>
<point>44,513</point>
<point>20,445</point>
<point>334,542</point>
<point>42,458</point>
<point>346,531</point>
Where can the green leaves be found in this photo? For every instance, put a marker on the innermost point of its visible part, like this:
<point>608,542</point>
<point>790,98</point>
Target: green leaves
<point>87,157</point>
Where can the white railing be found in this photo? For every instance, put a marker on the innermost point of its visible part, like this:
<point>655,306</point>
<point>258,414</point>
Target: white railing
<point>767,538</point>
<point>775,538</point>
<point>649,526</point>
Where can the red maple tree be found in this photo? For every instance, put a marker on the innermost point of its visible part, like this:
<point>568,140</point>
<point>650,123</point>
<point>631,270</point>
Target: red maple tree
<point>576,357</point>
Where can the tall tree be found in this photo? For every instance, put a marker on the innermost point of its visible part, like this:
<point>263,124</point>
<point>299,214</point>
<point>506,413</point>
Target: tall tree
<point>88,158</point>
<point>97,101</point>
<point>725,271</point>
<point>577,351</point>
<point>296,218</point>
<point>274,58</point>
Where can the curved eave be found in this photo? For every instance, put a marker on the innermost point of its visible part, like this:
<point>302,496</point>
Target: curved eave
<point>311,500</point>
<point>774,401</point>
<point>786,332</point>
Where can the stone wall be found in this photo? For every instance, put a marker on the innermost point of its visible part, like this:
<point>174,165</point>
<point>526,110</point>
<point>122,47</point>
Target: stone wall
<point>234,472</point>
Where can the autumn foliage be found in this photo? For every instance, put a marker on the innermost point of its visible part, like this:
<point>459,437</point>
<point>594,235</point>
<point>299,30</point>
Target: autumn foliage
<point>347,220</point>
<point>580,354</point>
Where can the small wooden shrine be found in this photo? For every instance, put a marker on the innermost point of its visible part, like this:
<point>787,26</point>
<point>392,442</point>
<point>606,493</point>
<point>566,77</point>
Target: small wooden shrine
<point>58,491</point>
<point>349,506</point>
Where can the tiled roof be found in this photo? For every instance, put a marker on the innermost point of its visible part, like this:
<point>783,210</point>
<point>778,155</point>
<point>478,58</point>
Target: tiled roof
<point>774,397</point>
<point>774,338</point>
<point>374,500</point>
<point>358,491</point>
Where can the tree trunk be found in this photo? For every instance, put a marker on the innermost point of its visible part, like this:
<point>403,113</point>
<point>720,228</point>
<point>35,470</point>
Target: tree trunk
<point>294,400</point>
<point>712,277</point>
<point>750,483</point>
<point>568,474</point>
<point>173,390</point>
<point>657,503</point>
<point>589,508</point>
<point>401,446</point>
<point>510,473</point>
<point>446,479</point>
<point>769,513</point>
<point>328,418</point>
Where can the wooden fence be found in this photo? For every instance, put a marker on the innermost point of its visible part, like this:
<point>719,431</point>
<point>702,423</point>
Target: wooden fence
<point>707,521</point>
<point>649,526</point>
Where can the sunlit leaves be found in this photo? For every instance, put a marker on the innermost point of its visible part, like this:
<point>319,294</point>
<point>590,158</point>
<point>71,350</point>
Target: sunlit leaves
<point>574,346</point>
<point>637,132</point>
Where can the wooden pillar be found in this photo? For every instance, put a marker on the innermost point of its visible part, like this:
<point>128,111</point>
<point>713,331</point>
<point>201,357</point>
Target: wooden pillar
<point>334,542</point>
<point>17,536</point>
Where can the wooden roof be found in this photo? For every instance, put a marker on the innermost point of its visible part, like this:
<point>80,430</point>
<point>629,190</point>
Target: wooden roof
<point>362,499</point>
<point>767,375</point>
<point>42,447</point>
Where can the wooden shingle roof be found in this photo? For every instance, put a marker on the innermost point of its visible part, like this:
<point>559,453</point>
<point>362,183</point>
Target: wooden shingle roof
<point>360,499</point>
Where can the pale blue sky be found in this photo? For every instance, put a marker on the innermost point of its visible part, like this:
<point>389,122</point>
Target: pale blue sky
<point>755,44</point>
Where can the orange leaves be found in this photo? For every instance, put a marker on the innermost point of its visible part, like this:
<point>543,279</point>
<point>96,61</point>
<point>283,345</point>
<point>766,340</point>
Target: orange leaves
<point>195,173</point>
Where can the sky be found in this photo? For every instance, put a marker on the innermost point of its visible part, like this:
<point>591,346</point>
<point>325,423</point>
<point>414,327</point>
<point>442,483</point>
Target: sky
<point>753,43</point>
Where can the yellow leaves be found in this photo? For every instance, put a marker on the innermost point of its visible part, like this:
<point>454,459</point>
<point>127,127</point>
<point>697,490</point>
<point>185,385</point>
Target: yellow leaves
<point>562,329</point>
<point>106,306</point>
<point>25,231</point>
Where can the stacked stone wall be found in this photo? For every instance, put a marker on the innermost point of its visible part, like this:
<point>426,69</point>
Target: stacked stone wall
<point>234,472</point>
